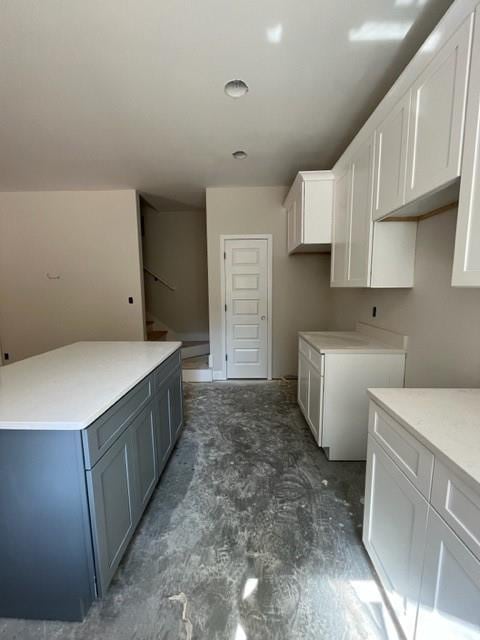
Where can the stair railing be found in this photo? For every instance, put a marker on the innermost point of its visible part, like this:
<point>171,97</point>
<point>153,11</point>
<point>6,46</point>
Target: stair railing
<point>157,278</point>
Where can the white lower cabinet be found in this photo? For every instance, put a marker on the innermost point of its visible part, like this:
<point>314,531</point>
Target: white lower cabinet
<point>394,533</point>
<point>310,391</point>
<point>430,573</point>
<point>450,595</point>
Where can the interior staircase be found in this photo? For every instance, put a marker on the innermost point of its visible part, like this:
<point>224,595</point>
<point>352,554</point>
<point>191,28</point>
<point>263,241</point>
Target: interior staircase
<point>155,334</point>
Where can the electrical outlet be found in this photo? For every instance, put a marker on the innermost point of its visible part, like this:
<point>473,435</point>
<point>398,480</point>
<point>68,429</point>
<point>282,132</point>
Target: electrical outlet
<point>374,312</point>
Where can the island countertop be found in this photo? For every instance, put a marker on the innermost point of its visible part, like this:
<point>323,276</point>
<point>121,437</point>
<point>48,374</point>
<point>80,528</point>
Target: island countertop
<point>70,387</point>
<point>447,421</point>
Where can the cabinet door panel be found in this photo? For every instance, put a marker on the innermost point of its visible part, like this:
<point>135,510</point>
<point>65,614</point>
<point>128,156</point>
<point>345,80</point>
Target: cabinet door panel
<point>394,533</point>
<point>339,230</point>
<point>175,400</point>
<point>144,437</point>
<point>466,263</point>
<point>360,219</point>
<point>111,485</point>
<point>303,383</point>
<point>438,116</point>
<point>164,436</point>
<point>450,594</point>
<point>391,159</point>
<point>315,396</point>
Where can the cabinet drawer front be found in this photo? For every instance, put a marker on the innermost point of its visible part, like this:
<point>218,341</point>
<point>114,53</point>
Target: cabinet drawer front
<point>166,369</point>
<point>415,460</point>
<point>458,504</point>
<point>100,436</point>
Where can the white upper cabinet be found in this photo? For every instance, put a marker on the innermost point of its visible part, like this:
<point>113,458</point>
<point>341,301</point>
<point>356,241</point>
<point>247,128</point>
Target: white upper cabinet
<point>438,117</point>
<point>360,217</point>
<point>340,230</point>
<point>309,206</point>
<point>466,263</point>
<point>391,159</point>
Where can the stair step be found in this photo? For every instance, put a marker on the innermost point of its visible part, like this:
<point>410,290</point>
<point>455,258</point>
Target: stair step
<point>157,335</point>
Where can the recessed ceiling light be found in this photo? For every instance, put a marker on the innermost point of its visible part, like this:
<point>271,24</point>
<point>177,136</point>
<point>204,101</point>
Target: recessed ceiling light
<point>239,155</point>
<point>236,88</point>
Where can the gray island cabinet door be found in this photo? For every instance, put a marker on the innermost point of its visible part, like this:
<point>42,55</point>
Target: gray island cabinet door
<point>175,399</point>
<point>143,430</point>
<point>111,486</point>
<point>163,433</point>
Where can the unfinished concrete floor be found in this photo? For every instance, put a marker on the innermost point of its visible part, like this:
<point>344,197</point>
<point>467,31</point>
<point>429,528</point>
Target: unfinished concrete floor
<point>251,535</point>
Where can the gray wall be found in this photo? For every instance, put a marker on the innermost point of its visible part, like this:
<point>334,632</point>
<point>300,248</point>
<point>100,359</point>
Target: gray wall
<point>300,282</point>
<point>443,323</point>
<point>91,240</point>
<point>175,247</point>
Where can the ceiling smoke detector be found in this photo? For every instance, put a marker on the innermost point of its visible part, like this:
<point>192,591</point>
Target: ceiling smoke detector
<point>239,155</point>
<point>236,88</point>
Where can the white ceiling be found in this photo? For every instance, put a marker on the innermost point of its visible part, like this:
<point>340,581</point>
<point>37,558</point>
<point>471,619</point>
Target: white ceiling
<point>129,93</point>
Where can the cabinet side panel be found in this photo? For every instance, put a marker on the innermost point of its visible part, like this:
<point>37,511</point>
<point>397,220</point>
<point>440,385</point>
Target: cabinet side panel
<point>345,413</point>
<point>46,550</point>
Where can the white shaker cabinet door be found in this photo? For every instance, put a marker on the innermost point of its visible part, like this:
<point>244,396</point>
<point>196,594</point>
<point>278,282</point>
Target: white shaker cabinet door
<point>466,263</point>
<point>391,159</point>
<point>303,383</point>
<point>438,116</point>
<point>450,595</point>
<point>394,533</point>
<point>360,217</point>
<point>315,397</point>
<point>340,230</point>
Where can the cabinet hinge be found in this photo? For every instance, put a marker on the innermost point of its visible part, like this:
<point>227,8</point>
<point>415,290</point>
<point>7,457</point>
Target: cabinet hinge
<point>225,308</point>
<point>226,357</point>
<point>224,255</point>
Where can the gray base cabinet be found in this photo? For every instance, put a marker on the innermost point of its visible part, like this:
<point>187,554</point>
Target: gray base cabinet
<point>70,500</point>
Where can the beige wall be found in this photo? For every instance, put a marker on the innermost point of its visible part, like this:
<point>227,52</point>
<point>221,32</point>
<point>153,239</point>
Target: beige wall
<point>443,323</point>
<point>300,282</point>
<point>91,240</point>
<point>175,247</point>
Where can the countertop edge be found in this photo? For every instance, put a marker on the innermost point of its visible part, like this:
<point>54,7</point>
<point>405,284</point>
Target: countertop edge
<point>81,426</point>
<point>386,349</point>
<point>440,453</point>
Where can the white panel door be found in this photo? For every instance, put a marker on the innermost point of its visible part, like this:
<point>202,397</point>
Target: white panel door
<point>395,525</point>
<point>391,159</point>
<point>438,115</point>
<point>360,218</point>
<point>246,295</point>
<point>450,595</point>
<point>466,263</point>
<point>339,230</point>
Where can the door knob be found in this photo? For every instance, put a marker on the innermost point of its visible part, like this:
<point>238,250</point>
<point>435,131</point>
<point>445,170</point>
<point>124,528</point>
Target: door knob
<point>263,317</point>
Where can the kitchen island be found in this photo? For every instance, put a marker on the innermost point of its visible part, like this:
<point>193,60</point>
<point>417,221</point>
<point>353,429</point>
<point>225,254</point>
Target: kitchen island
<point>85,432</point>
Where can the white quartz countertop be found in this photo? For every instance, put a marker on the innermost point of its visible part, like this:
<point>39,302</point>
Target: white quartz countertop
<point>351,341</point>
<point>70,387</point>
<point>447,421</point>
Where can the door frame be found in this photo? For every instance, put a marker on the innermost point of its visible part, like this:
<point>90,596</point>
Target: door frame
<point>250,236</point>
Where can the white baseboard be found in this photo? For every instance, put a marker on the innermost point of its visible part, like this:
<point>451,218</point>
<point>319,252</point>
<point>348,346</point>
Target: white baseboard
<point>197,375</point>
<point>219,375</point>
